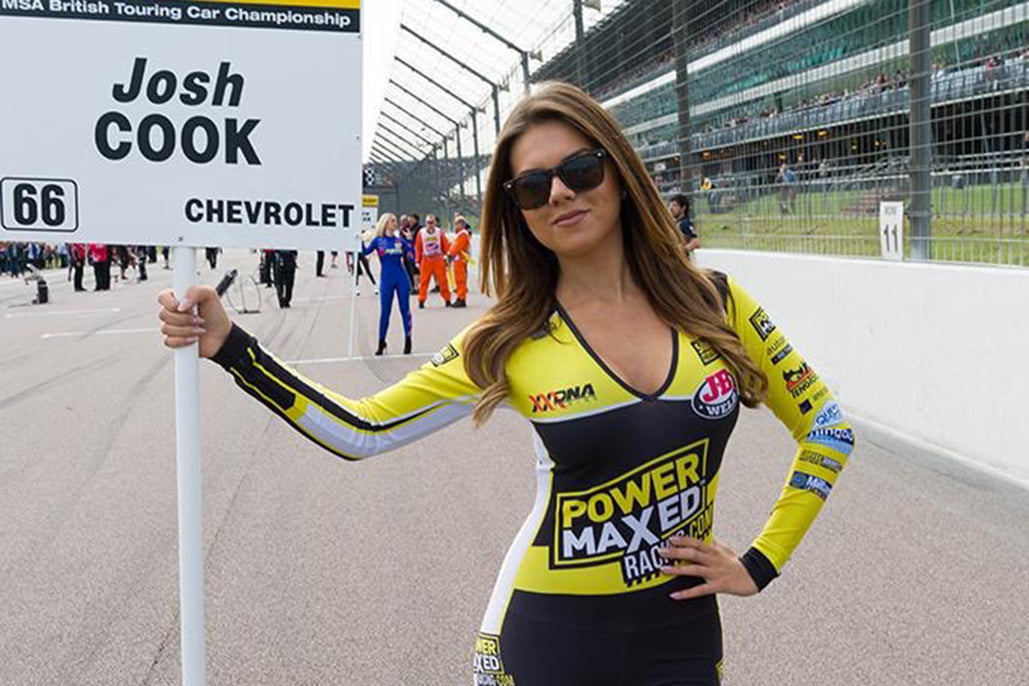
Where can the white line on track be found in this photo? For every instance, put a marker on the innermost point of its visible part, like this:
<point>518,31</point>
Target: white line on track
<point>50,275</point>
<point>327,298</point>
<point>63,313</point>
<point>367,358</point>
<point>108,332</point>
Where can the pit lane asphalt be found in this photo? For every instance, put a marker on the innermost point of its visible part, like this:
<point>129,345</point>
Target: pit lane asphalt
<point>323,572</point>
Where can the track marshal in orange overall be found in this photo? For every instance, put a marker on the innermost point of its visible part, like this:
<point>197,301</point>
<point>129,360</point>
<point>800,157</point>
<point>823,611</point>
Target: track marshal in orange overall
<point>458,253</point>
<point>430,248</point>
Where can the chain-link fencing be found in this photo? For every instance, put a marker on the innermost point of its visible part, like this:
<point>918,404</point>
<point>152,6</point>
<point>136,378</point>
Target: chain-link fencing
<point>787,123</point>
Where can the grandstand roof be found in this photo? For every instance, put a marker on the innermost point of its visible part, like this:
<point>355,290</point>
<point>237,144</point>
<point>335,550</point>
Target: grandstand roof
<point>532,25</point>
<point>635,33</point>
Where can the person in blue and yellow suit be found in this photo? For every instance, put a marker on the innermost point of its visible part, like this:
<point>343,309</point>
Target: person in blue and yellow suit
<point>392,248</point>
<point>631,364</point>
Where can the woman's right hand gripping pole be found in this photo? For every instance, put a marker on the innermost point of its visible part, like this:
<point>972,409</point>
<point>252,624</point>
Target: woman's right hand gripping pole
<point>197,318</point>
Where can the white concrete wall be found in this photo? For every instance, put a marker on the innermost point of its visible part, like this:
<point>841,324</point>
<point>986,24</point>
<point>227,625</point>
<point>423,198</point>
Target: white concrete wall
<point>936,353</point>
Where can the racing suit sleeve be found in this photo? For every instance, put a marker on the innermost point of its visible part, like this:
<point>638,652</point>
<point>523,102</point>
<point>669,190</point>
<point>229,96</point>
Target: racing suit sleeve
<point>371,247</point>
<point>418,248</point>
<point>434,396</point>
<point>804,404</point>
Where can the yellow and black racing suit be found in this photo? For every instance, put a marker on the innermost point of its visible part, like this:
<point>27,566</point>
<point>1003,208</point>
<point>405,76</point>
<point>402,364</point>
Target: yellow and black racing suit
<point>580,598</point>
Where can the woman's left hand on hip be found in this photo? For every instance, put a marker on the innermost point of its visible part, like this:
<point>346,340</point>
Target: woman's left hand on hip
<point>716,563</point>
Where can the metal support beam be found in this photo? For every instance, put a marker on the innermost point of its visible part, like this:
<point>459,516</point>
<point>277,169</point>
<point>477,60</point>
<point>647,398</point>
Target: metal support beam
<point>495,95</point>
<point>479,25</point>
<point>378,151</point>
<point>460,162</point>
<point>919,208</point>
<point>435,146</point>
<point>494,87</point>
<point>381,151</point>
<point>407,128</point>
<point>429,105</point>
<point>417,145</point>
<point>457,130</point>
<point>384,150</point>
<point>493,34</point>
<point>446,176</point>
<point>418,119</point>
<point>475,123</point>
<point>477,166</point>
<point>435,169</point>
<point>400,153</point>
<point>580,44</point>
<point>383,129</point>
<point>435,83</point>
<point>401,143</point>
<point>680,23</point>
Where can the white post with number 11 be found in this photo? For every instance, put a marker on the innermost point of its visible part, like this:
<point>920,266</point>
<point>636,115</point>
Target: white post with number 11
<point>186,124</point>
<point>891,230</point>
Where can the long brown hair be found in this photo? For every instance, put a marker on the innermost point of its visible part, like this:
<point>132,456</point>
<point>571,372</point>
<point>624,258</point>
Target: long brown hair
<point>523,274</point>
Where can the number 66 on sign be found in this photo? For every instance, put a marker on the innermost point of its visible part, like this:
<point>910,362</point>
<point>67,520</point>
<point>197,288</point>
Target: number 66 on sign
<point>39,204</point>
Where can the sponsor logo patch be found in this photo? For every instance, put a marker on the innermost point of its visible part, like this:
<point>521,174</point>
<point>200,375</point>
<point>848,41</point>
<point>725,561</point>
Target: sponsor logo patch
<point>799,380</point>
<point>447,354</point>
<point>705,352</point>
<point>840,440</point>
<point>782,354</point>
<point>776,345</point>
<point>762,323</point>
<point>561,399</point>
<point>489,667</point>
<point>821,460</point>
<point>829,415</point>
<point>627,520</point>
<point>810,482</point>
<point>717,396</point>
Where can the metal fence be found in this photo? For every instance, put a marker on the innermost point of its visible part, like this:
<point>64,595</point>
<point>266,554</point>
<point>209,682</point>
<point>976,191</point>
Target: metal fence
<point>788,123</point>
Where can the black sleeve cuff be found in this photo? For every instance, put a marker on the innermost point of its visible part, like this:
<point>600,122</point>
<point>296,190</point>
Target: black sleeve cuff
<point>233,349</point>
<point>761,570</point>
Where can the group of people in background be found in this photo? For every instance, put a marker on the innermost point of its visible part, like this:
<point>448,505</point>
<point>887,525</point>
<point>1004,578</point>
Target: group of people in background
<point>415,259</point>
<point>412,257</point>
<point>278,269</point>
<point>18,258</point>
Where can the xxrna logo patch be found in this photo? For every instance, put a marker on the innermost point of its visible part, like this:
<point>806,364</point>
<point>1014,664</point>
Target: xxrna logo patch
<point>561,399</point>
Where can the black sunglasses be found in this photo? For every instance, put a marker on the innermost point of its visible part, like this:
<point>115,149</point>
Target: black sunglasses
<point>581,172</point>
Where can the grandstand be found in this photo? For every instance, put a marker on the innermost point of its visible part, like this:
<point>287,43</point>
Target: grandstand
<point>798,117</point>
<point>787,121</point>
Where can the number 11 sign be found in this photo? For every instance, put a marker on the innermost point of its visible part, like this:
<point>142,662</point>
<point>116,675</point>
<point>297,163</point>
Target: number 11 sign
<point>891,230</point>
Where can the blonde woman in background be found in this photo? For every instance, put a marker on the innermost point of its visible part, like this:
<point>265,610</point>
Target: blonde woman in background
<point>391,247</point>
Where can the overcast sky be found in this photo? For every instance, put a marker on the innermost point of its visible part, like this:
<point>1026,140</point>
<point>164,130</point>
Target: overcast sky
<point>381,19</point>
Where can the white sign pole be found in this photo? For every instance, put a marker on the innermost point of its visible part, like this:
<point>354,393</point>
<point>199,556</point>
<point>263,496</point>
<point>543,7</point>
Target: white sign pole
<point>191,534</point>
<point>369,219</point>
<point>353,295</point>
